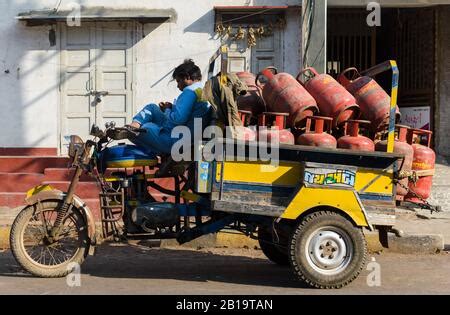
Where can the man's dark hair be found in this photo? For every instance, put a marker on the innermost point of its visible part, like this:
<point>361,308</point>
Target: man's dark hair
<point>187,70</point>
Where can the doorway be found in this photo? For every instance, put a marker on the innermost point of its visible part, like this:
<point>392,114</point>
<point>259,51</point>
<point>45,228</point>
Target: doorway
<point>96,77</point>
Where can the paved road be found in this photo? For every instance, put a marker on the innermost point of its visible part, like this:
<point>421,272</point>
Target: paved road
<point>128,269</point>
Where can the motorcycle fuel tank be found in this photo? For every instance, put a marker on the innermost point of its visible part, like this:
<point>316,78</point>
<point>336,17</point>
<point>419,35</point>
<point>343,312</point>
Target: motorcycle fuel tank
<point>155,215</point>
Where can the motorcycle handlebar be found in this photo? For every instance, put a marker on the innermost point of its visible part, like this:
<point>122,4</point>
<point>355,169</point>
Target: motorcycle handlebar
<point>140,130</point>
<point>116,133</point>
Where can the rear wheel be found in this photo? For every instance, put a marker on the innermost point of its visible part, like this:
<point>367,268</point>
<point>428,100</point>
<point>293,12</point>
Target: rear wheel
<point>36,252</point>
<point>327,251</point>
<point>275,253</point>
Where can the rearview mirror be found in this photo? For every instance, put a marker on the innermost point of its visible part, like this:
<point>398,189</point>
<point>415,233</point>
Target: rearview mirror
<point>96,131</point>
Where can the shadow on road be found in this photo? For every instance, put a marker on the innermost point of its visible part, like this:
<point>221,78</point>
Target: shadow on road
<point>138,262</point>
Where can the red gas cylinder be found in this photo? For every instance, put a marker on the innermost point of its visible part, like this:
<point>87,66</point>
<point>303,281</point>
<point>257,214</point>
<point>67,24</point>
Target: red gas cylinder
<point>332,98</point>
<point>274,125</point>
<point>245,133</point>
<point>400,146</point>
<point>372,99</point>
<point>423,163</point>
<point>282,93</point>
<point>353,140</point>
<point>318,138</point>
<point>245,116</point>
<point>252,101</point>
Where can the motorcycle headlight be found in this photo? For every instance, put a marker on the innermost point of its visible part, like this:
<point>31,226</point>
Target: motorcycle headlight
<point>75,145</point>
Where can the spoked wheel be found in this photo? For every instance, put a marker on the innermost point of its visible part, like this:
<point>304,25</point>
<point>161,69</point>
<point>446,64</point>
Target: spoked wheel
<point>327,250</point>
<point>42,255</point>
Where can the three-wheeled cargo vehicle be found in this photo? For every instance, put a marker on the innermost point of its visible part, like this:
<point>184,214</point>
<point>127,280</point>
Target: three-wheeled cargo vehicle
<point>308,209</point>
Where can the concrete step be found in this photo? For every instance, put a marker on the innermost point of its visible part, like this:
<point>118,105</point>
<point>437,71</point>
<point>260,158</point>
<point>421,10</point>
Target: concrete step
<point>84,190</point>
<point>94,205</point>
<point>7,215</point>
<point>28,151</point>
<point>440,195</point>
<point>31,164</point>
<point>442,179</point>
<point>441,175</point>
<point>12,199</point>
<point>64,174</point>
<point>19,182</point>
<point>439,190</point>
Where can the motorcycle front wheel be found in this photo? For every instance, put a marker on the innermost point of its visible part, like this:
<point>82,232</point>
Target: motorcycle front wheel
<point>41,255</point>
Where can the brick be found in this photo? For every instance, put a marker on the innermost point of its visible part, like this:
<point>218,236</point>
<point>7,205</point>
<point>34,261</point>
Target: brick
<point>64,174</point>
<point>84,190</point>
<point>416,244</point>
<point>30,164</point>
<point>16,182</point>
<point>12,200</point>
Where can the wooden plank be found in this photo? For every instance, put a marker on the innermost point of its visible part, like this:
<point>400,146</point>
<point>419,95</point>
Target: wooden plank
<point>246,208</point>
<point>256,198</point>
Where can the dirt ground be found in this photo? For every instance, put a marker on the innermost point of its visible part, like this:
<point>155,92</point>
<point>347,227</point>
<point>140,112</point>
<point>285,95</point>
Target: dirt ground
<point>136,269</point>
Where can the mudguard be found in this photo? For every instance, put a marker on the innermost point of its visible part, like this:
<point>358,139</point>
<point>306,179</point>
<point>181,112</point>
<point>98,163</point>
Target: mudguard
<point>43,193</point>
<point>343,200</point>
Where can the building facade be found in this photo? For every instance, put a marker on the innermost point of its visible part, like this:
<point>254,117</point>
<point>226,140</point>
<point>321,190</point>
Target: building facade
<point>55,69</point>
<point>50,73</point>
<point>48,70</point>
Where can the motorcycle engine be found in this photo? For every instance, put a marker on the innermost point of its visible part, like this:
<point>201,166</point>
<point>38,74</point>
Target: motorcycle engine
<point>155,215</point>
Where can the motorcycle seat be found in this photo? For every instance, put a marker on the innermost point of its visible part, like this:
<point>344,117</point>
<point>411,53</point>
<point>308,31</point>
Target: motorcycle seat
<point>127,156</point>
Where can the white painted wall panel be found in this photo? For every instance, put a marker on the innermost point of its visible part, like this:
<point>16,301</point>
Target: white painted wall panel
<point>29,65</point>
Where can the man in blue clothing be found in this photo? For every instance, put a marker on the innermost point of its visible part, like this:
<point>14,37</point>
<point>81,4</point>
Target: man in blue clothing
<point>160,120</point>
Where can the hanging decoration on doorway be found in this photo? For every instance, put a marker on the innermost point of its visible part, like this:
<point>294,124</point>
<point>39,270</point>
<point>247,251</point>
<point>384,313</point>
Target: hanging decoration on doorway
<point>268,31</point>
<point>220,30</point>
<point>229,31</point>
<point>251,38</point>
<point>240,34</point>
<point>260,31</point>
<point>250,32</point>
<point>280,23</point>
